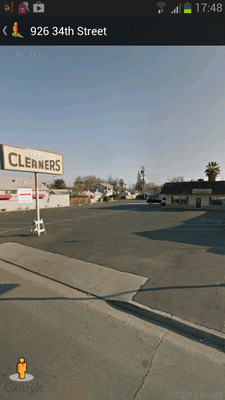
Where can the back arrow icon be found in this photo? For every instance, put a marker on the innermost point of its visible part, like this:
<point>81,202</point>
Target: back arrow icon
<point>4,30</point>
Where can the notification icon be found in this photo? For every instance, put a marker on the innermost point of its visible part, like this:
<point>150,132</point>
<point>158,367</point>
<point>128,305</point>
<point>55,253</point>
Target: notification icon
<point>22,8</point>
<point>6,6</point>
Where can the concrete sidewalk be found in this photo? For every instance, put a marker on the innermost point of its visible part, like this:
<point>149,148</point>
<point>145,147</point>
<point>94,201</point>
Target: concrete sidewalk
<point>115,287</point>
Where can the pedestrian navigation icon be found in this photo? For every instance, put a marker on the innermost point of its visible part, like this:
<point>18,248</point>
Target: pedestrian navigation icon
<point>21,368</point>
<point>21,375</point>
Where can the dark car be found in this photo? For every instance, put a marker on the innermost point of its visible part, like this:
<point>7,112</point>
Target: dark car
<point>152,199</point>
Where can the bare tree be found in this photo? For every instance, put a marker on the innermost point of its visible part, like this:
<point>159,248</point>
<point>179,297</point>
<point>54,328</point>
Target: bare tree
<point>115,184</point>
<point>110,179</point>
<point>153,187</point>
<point>178,179</point>
<point>59,184</point>
<point>87,182</point>
<point>138,185</point>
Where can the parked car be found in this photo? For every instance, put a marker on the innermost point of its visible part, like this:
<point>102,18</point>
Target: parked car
<point>125,193</point>
<point>163,202</point>
<point>152,199</point>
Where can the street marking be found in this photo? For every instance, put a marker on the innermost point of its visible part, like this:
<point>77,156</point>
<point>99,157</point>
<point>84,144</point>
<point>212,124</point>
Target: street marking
<point>60,220</point>
<point>16,229</point>
<point>107,213</point>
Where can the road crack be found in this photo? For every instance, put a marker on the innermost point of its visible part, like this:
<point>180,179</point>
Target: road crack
<point>145,376</point>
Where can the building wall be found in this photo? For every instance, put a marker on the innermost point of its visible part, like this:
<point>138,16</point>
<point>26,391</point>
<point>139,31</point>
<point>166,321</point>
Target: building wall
<point>131,197</point>
<point>74,201</point>
<point>47,202</point>
<point>58,200</point>
<point>98,197</point>
<point>101,189</point>
<point>191,207</point>
<point>192,202</point>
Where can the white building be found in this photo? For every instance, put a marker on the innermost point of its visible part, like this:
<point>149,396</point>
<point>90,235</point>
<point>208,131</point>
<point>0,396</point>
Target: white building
<point>9,194</point>
<point>105,188</point>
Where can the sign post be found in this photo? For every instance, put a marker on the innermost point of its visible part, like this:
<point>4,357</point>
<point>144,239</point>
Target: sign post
<point>31,160</point>
<point>37,196</point>
<point>36,227</point>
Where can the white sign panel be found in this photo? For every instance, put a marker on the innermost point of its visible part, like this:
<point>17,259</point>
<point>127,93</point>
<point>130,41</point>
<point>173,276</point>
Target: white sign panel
<point>201,191</point>
<point>30,160</point>
<point>25,195</point>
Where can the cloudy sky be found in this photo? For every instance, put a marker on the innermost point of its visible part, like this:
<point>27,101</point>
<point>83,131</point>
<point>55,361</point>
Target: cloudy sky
<point>113,109</point>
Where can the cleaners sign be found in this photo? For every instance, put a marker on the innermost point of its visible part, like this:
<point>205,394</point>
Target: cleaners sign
<point>30,160</point>
<point>25,195</point>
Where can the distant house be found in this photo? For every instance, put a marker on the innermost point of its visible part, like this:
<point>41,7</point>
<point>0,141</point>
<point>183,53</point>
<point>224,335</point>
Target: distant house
<point>60,191</point>
<point>9,200</point>
<point>9,187</point>
<point>88,193</point>
<point>195,195</point>
<point>105,188</point>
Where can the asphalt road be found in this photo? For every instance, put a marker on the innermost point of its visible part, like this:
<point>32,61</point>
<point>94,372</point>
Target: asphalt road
<point>80,348</point>
<point>181,252</point>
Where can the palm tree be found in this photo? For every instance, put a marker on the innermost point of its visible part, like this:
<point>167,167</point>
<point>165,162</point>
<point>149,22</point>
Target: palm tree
<point>212,171</point>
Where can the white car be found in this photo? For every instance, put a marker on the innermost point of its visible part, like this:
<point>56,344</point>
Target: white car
<point>163,202</point>
<point>125,193</point>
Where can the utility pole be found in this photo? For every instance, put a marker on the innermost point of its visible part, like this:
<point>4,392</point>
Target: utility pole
<point>143,185</point>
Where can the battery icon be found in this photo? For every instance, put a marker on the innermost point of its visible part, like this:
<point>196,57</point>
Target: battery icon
<point>187,8</point>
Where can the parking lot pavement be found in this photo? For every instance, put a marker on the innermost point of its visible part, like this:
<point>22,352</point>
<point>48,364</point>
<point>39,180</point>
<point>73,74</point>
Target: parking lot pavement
<point>181,253</point>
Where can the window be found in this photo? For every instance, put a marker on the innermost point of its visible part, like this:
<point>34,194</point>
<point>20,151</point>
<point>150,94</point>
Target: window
<point>217,201</point>
<point>180,200</point>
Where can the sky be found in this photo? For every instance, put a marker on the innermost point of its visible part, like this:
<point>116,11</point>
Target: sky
<point>112,109</point>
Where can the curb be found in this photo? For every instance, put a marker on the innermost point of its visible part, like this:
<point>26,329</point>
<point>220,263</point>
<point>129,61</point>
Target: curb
<point>205,334</point>
<point>210,336</point>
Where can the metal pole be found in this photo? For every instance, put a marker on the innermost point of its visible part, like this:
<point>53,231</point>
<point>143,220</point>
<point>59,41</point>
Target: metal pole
<point>37,201</point>
<point>143,185</point>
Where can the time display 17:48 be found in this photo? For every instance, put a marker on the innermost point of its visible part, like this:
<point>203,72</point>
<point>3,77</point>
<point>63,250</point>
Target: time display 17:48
<point>205,7</point>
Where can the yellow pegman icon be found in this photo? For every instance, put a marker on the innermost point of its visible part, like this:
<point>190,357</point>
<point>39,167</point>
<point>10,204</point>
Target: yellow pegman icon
<point>15,28</point>
<point>21,368</point>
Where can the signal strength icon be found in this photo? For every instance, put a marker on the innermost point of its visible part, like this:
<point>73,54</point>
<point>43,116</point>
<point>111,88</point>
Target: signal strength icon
<point>177,10</point>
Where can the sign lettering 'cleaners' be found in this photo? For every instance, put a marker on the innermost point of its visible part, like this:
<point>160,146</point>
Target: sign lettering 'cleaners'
<point>30,160</point>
